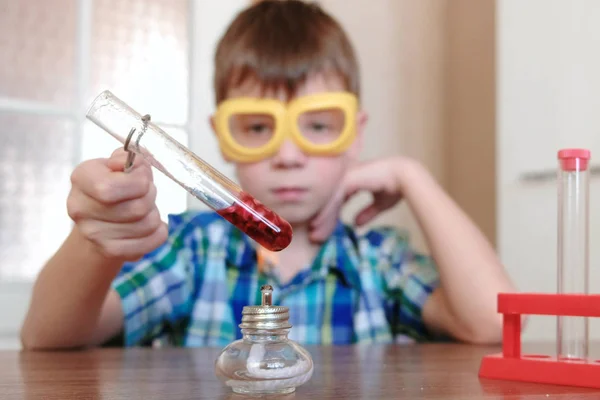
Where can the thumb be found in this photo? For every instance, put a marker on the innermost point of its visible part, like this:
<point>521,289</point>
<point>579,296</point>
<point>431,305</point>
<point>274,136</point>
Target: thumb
<point>366,214</point>
<point>361,177</point>
<point>330,208</point>
<point>118,160</point>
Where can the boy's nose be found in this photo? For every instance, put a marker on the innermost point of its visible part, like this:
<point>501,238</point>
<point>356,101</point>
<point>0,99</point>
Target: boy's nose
<point>289,155</point>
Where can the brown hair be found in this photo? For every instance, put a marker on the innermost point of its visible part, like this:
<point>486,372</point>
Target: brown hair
<point>280,43</point>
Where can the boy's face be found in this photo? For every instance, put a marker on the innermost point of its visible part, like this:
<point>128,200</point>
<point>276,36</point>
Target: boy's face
<point>294,184</point>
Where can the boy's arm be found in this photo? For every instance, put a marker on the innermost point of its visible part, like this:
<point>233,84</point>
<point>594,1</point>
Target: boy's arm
<point>72,304</point>
<point>471,276</point>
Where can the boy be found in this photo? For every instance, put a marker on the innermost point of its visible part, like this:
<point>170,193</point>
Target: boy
<point>288,116</point>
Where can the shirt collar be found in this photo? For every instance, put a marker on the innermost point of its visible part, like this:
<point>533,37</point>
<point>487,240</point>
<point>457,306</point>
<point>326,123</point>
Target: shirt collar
<point>339,255</point>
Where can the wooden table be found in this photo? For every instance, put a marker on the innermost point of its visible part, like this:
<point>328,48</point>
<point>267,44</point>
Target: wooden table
<point>432,371</point>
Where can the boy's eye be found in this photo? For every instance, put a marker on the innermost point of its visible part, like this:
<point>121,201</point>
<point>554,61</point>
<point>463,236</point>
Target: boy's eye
<point>319,127</point>
<point>251,130</point>
<point>257,124</point>
<point>258,128</point>
<point>321,122</point>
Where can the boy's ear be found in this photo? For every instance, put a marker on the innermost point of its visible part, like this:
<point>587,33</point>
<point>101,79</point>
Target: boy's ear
<point>361,121</point>
<point>211,121</point>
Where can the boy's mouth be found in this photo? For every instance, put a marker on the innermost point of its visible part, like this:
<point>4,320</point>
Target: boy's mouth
<point>289,193</point>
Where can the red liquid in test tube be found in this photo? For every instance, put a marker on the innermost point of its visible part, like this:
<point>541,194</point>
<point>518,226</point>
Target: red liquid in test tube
<point>257,221</point>
<point>573,261</point>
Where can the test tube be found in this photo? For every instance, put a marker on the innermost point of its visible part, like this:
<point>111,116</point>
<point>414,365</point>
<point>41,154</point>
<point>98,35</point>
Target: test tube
<point>573,267</point>
<point>191,172</point>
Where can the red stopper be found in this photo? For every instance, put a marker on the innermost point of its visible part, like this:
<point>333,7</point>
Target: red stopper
<point>574,159</point>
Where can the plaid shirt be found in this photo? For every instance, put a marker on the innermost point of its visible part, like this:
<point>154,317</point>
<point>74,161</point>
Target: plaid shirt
<point>190,291</point>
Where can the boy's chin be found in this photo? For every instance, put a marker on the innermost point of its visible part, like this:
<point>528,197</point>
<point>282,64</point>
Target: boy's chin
<point>296,216</point>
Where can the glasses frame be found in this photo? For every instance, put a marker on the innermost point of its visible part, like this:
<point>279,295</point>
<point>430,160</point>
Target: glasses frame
<point>285,117</point>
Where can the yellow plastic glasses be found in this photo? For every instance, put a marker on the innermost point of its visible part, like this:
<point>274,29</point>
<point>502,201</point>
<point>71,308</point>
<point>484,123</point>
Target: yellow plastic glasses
<point>252,129</point>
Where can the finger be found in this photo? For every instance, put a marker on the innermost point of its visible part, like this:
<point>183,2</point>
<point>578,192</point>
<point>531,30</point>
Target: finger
<point>118,159</point>
<point>362,177</point>
<point>323,225</point>
<point>96,180</point>
<point>358,181</point>
<point>367,214</point>
<point>350,193</point>
<point>81,206</point>
<point>136,247</point>
<point>119,152</point>
<point>321,232</point>
<point>101,231</point>
<point>330,209</point>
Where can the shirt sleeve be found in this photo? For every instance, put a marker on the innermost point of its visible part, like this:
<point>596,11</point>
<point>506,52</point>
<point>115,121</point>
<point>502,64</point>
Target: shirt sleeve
<point>408,279</point>
<point>158,289</point>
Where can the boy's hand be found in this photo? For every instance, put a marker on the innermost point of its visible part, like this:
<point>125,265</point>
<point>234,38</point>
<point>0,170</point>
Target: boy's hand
<point>114,210</point>
<point>380,177</point>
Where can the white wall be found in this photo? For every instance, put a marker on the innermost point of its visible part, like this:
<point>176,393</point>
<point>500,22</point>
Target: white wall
<point>548,98</point>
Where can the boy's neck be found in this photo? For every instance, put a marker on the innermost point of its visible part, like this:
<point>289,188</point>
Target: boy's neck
<point>301,241</point>
<point>298,255</point>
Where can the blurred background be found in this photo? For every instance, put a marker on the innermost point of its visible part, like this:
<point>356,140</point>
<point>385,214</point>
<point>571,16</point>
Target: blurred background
<point>482,92</point>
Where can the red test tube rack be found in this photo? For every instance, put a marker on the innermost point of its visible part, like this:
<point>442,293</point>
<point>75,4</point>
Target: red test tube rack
<point>572,304</point>
<point>511,365</point>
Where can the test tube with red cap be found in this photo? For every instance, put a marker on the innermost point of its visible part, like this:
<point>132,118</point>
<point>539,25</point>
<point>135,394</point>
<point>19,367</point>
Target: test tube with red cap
<point>573,265</point>
<point>140,136</point>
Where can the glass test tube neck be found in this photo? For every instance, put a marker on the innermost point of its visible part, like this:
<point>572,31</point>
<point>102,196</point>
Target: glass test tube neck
<point>572,249</point>
<point>191,172</point>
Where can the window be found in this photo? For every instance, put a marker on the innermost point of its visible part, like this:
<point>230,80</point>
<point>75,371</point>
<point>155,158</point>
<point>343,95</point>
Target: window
<point>65,52</point>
